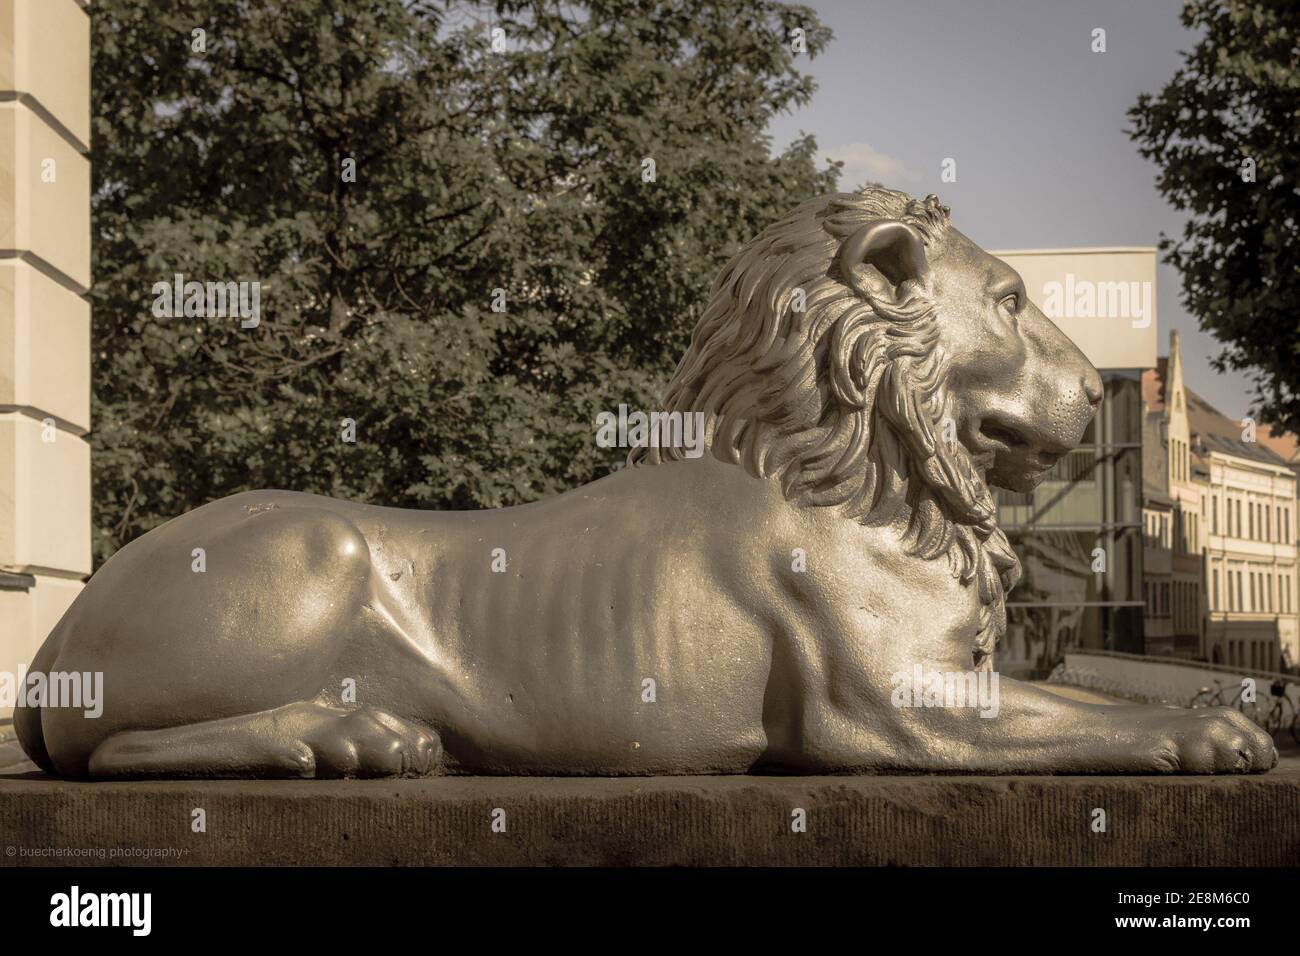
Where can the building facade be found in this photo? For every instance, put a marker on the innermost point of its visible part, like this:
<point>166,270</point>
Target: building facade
<point>1079,535</point>
<point>44,320</point>
<point>1172,515</point>
<point>1287,447</point>
<point>1219,521</point>
<point>1250,558</point>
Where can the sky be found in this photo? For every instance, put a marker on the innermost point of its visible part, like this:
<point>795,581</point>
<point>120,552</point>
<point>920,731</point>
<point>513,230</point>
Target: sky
<point>1035,120</point>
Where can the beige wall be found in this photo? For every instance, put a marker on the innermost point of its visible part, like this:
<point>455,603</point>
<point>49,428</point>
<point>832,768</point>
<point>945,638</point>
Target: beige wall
<point>1254,623</point>
<point>44,318</point>
<point>1094,296</point>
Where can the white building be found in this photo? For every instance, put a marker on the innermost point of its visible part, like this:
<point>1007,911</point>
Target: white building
<point>1253,620</point>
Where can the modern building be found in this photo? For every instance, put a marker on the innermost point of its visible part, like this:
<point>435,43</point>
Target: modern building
<point>1079,535</point>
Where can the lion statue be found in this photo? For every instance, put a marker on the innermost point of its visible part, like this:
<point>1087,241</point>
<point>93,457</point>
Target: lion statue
<point>864,373</point>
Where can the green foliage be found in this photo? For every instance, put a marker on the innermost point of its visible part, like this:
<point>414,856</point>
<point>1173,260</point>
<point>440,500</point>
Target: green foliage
<point>1237,98</point>
<point>476,170</point>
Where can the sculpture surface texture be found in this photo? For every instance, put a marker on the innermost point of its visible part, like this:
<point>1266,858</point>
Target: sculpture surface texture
<point>864,373</point>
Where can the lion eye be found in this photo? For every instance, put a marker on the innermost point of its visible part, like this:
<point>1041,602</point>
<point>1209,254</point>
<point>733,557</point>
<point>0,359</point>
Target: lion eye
<point>1010,303</point>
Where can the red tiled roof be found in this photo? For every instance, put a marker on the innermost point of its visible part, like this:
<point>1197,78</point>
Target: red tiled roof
<point>1284,444</point>
<point>1215,431</point>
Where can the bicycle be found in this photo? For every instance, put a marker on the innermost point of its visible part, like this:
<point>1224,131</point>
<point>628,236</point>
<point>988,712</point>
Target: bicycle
<point>1280,712</point>
<point>1207,697</point>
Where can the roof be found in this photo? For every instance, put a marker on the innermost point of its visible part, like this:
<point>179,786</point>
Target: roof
<point>1153,385</point>
<point>1214,431</point>
<point>1284,444</point>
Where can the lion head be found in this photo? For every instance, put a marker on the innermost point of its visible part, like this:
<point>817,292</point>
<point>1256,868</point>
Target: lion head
<point>864,353</point>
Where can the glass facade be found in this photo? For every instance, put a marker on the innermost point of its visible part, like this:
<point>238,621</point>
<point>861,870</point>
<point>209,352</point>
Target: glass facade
<point>1079,539</point>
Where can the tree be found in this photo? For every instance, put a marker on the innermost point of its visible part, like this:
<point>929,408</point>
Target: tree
<point>450,213</point>
<point>1225,132</point>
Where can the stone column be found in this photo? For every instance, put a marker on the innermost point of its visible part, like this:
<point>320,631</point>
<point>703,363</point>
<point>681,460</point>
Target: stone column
<point>44,319</point>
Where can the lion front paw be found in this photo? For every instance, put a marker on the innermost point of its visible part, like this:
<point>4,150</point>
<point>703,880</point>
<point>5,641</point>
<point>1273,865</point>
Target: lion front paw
<point>1212,740</point>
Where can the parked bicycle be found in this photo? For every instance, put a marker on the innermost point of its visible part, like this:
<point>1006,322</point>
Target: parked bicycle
<point>1272,713</point>
<point>1279,712</point>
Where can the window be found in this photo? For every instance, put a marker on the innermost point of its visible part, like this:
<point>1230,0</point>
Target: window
<point>1268,519</point>
<point>1214,516</point>
<point>1250,519</point>
<point>1214,589</point>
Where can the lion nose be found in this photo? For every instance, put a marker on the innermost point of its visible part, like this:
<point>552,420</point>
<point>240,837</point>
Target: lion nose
<point>1092,387</point>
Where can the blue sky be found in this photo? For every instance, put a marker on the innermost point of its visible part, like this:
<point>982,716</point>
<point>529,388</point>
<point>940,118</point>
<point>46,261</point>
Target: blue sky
<point>1011,90</point>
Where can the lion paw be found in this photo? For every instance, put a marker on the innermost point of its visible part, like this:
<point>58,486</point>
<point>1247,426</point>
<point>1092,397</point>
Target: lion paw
<point>1213,740</point>
<point>369,743</point>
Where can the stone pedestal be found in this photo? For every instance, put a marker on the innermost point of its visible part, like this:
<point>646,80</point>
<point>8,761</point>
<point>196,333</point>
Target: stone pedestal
<point>880,820</point>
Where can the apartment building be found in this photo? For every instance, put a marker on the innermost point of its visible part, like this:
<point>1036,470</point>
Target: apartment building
<point>1219,513</point>
<point>1250,555</point>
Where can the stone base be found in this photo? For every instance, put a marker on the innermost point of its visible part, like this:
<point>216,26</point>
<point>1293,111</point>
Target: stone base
<point>874,820</point>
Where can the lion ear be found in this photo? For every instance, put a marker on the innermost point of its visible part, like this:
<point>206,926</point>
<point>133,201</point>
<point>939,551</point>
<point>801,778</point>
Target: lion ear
<point>889,250</point>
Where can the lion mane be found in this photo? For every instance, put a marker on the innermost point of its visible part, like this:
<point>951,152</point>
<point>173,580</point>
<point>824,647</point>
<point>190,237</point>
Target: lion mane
<point>843,400</point>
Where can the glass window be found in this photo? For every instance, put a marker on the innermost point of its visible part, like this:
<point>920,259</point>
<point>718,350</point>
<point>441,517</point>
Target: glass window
<point>1091,499</point>
<point>1040,636</point>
